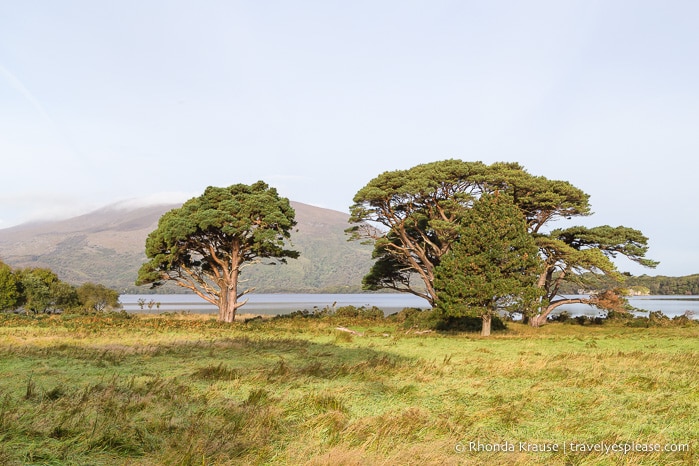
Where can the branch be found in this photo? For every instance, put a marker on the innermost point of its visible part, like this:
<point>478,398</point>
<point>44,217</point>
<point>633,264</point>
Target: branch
<point>554,304</point>
<point>240,303</point>
<point>247,264</point>
<point>243,293</point>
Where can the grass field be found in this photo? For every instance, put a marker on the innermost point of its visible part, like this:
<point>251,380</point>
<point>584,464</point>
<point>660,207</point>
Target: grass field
<point>187,390</point>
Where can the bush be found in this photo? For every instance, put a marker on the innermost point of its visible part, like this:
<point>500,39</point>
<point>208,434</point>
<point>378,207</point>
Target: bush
<point>620,316</point>
<point>417,318</point>
<point>658,318</point>
<point>403,315</point>
<point>685,319</point>
<point>562,317</point>
<point>345,312</point>
<point>316,313</point>
<point>371,313</point>
<point>585,320</point>
<point>433,319</point>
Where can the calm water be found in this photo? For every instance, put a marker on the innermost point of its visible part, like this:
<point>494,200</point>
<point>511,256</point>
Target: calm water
<point>275,303</point>
<point>389,302</point>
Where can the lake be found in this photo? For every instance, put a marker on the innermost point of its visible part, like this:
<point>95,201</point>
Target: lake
<point>281,303</point>
<point>273,304</point>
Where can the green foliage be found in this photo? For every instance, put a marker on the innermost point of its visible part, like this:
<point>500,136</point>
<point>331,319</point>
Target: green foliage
<point>421,209</point>
<point>610,240</point>
<point>40,290</point>
<point>342,313</point>
<point>628,319</point>
<point>97,298</point>
<point>361,312</point>
<point>492,267</point>
<point>661,285</point>
<point>203,245</point>
<point>582,256</point>
<point>653,285</point>
<point>9,288</point>
<point>43,292</point>
<point>658,319</point>
<point>541,200</point>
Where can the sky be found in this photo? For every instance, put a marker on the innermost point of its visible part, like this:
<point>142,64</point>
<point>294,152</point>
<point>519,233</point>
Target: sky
<point>151,101</point>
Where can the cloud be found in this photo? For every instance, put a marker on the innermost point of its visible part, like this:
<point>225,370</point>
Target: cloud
<point>162,198</point>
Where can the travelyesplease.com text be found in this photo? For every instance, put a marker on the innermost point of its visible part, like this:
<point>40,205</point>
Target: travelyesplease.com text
<point>570,447</point>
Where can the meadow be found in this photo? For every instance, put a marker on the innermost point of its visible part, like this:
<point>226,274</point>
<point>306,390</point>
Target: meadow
<point>187,390</point>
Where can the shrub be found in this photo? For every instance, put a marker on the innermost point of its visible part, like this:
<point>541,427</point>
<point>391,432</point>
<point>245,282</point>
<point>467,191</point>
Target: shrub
<point>404,314</point>
<point>685,319</point>
<point>585,320</point>
<point>372,313</point>
<point>619,316</point>
<point>351,312</point>
<point>316,313</point>
<point>416,318</point>
<point>562,317</point>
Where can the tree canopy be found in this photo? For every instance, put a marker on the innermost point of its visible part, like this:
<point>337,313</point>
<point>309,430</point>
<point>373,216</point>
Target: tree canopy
<point>42,291</point>
<point>571,254</point>
<point>413,217</point>
<point>97,297</point>
<point>418,211</point>
<point>203,245</point>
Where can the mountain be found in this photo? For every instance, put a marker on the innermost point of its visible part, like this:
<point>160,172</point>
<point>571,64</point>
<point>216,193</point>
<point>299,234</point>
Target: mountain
<point>107,246</point>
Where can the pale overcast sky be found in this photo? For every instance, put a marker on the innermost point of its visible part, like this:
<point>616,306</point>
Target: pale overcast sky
<point>105,101</point>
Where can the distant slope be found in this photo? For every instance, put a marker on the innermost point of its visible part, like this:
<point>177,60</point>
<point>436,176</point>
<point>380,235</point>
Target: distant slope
<point>107,246</point>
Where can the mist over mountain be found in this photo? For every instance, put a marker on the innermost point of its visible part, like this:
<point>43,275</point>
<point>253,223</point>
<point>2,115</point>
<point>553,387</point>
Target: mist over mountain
<point>108,246</point>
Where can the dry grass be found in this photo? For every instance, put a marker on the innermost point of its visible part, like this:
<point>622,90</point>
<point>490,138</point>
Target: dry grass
<point>182,389</point>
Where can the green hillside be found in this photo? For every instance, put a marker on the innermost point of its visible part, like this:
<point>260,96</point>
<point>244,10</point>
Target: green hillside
<point>107,246</point>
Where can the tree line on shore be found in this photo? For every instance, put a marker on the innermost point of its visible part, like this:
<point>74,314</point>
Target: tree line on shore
<point>639,285</point>
<point>40,291</point>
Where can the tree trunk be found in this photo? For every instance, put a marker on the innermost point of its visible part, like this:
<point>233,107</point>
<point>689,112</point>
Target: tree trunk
<point>537,320</point>
<point>540,319</point>
<point>227,304</point>
<point>485,330</point>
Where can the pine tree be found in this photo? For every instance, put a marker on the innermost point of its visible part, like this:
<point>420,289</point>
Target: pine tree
<point>492,267</point>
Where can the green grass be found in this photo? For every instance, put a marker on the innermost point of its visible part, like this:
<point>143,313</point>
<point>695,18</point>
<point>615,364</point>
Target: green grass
<point>188,390</point>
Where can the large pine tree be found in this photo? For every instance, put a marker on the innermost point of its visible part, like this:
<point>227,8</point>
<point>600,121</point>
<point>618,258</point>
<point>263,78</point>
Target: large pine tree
<point>203,245</point>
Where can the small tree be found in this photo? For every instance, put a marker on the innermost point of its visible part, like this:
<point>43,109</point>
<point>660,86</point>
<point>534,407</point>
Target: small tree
<point>42,291</point>
<point>97,297</point>
<point>203,245</point>
<point>493,265</point>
